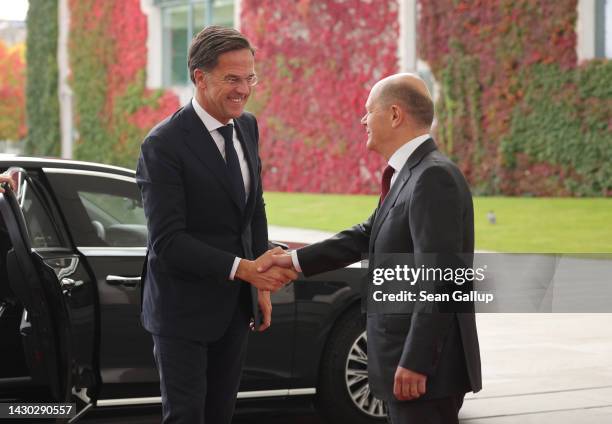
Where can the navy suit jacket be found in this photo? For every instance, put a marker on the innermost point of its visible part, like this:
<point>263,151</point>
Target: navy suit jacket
<point>197,226</point>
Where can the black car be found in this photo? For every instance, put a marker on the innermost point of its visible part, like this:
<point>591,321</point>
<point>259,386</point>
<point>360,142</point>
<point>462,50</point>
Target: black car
<point>73,237</point>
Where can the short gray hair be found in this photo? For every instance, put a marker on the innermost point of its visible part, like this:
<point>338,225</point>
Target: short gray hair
<point>210,43</point>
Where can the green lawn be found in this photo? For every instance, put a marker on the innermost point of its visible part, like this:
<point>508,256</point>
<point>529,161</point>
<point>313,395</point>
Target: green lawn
<point>556,225</point>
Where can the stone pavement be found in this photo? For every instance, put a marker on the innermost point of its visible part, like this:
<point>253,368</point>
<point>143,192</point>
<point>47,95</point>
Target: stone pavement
<point>544,369</point>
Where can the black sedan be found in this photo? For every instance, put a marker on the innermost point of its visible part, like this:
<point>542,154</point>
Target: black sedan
<point>72,245</point>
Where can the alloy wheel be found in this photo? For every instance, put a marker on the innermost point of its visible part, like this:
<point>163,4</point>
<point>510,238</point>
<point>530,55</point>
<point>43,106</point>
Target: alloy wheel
<point>356,379</point>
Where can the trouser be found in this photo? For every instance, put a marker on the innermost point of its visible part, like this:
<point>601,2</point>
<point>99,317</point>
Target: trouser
<point>199,380</point>
<point>433,411</point>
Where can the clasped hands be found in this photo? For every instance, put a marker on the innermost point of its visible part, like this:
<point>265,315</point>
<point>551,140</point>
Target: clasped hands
<point>271,271</point>
<point>268,273</point>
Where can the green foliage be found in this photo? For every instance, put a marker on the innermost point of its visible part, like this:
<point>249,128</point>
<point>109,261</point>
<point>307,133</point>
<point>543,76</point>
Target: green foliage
<point>563,120</point>
<point>459,107</point>
<point>88,59</point>
<point>595,80</point>
<point>516,110</point>
<point>42,102</point>
<point>113,108</point>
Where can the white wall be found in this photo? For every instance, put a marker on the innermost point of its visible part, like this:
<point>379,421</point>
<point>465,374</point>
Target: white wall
<point>64,90</point>
<point>154,43</point>
<point>585,30</point>
<point>407,46</point>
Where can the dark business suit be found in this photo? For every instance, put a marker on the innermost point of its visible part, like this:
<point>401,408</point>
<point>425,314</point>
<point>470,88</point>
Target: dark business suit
<point>197,226</point>
<point>428,210</point>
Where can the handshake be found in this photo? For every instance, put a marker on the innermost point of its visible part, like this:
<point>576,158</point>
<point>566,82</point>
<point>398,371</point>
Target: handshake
<point>271,271</point>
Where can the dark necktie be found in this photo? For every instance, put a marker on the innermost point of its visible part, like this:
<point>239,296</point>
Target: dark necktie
<point>386,182</point>
<point>231,160</point>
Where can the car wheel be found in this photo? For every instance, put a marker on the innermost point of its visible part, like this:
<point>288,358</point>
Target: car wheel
<point>343,392</point>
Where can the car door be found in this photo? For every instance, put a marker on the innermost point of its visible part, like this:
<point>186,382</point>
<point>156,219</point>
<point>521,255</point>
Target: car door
<point>269,360</point>
<point>58,321</point>
<point>106,219</point>
<point>107,222</point>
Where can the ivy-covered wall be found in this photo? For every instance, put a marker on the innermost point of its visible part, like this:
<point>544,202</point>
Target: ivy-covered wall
<point>113,108</point>
<point>317,61</point>
<point>516,110</point>
<point>42,104</point>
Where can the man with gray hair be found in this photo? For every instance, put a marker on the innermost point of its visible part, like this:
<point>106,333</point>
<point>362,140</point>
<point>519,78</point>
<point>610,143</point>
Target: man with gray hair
<point>421,361</point>
<point>199,174</point>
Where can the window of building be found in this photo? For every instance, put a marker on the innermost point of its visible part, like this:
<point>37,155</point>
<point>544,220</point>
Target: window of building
<point>181,20</point>
<point>603,36</point>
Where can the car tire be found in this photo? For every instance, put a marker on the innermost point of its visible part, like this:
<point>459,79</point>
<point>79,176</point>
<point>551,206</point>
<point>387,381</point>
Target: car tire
<point>343,394</point>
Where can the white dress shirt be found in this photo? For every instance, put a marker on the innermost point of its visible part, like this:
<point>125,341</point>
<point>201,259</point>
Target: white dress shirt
<point>396,161</point>
<point>212,125</point>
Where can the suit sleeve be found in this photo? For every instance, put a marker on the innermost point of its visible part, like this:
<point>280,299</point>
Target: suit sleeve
<point>259,223</point>
<point>345,248</point>
<point>436,225</point>
<point>160,179</point>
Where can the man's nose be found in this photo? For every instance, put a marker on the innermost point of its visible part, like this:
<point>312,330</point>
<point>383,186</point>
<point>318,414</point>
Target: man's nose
<point>243,87</point>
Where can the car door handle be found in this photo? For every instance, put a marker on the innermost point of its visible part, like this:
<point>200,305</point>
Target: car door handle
<point>118,280</point>
<point>68,283</point>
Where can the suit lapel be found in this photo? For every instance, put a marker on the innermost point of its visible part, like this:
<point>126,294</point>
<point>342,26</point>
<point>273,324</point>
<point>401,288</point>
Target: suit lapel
<point>201,143</point>
<point>401,180</point>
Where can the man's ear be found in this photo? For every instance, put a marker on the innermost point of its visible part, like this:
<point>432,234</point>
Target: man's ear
<point>200,78</point>
<point>397,116</point>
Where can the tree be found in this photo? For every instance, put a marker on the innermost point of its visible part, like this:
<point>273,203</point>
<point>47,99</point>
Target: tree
<point>42,102</point>
<point>12,93</point>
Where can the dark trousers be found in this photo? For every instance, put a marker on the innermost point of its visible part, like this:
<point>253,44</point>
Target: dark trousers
<point>199,380</point>
<point>434,411</point>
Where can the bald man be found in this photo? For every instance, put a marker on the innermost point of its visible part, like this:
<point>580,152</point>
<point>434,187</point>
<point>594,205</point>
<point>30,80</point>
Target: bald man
<point>422,360</point>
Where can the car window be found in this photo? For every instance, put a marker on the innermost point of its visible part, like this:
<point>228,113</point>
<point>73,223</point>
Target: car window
<point>113,209</point>
<point>102,209</point>
<point>41,229</point>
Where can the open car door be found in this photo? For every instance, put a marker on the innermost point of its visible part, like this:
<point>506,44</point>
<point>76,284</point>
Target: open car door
<point>58,296</point>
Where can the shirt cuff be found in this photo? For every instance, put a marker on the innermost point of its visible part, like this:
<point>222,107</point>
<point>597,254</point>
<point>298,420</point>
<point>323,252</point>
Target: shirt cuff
<point>296,262</point>
<point>234,268</point>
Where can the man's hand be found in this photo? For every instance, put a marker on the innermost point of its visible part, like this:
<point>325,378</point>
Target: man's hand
<point>265,305</point>
<point>273,279</point>
<point>278,257</point>
<point>6,179</point>
<point>408,385</point>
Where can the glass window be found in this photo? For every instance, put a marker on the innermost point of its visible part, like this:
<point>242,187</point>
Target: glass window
<point>181,20</point>
<point>603,28</point>
<point>608,30</point>
<point>119,220</point>
<point>42,231</point>
<point>101,211</point>
<point>223,13</point>
<point>175,30</point>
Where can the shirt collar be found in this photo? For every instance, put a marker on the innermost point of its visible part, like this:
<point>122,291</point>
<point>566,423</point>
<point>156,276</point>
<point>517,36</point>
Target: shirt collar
<point>401,155</point>
<point>210,123</point>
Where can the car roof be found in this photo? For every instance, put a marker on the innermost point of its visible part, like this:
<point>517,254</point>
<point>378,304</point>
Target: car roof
<point>8,160</point>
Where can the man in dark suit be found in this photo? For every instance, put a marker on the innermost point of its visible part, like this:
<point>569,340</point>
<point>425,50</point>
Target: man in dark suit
<point>420,362</point>
<point>199,175</point>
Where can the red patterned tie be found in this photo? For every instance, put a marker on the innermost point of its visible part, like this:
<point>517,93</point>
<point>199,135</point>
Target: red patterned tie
<point>386,182</point>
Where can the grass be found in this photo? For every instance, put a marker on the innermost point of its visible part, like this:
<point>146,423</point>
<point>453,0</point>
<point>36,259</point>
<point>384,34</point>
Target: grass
<point>529,225</point>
